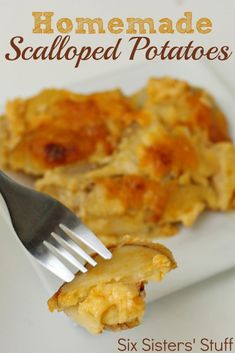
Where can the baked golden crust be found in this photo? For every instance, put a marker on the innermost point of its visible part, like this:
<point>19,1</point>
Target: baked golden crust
<point>177,103</point>
<point>156,181</point>
<point>110,295</point>
<point>170,157</point>
<point>58,127</point>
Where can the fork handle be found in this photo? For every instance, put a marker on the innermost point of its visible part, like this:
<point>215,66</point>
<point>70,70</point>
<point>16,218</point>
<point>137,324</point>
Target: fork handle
<point>15,199</point>
<point>4,213</point>
<point>23,203</point>
<point>5,184</point>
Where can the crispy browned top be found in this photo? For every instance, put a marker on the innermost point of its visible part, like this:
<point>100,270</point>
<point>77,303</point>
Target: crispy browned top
<point>138,192</point>
<point>58,127</point>
<point>208,118</point>
<point>175,161</point>
<point>79,128</point>
<point>176,103</point>
<point>170,155</point>
<point>165,173</point>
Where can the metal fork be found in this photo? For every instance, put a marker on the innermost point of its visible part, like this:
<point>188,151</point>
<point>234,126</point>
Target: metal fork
<point>49,230</point>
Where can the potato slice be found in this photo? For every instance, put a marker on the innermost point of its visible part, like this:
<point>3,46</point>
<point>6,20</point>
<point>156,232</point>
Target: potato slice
<point>111,295</point>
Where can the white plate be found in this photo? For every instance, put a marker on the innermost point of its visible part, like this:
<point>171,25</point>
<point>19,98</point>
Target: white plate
<point>207,248</point>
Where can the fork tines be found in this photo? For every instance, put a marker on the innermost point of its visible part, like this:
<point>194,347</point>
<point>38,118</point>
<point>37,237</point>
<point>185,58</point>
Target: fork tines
<point>65,246</point>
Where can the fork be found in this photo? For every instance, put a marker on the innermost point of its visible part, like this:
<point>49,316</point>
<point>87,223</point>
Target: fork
<point>50,231</point>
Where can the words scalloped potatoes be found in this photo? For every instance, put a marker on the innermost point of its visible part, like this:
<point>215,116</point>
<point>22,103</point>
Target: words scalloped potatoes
<point>62,48</point>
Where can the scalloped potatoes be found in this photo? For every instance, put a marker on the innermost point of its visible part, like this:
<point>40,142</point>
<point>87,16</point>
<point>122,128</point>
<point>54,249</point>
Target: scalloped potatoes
<point>111,295</point>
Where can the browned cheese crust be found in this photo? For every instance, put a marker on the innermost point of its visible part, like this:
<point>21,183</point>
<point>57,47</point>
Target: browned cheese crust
<point>159,159</point>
